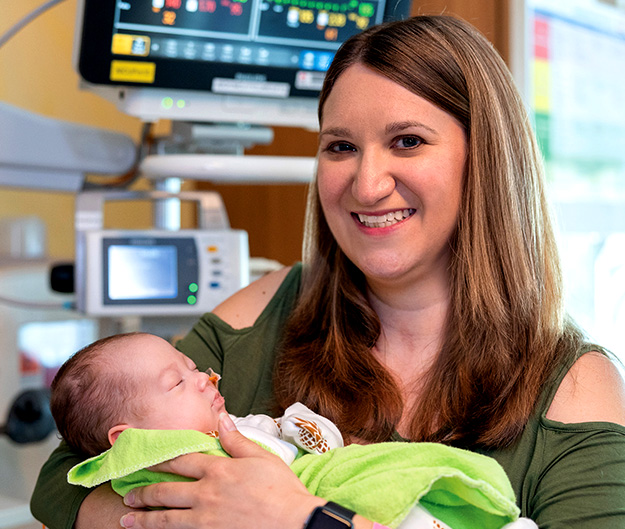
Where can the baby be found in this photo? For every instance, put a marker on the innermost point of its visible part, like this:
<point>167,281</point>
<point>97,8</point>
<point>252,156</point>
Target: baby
<point>139,380</point>
<point>131,401</point>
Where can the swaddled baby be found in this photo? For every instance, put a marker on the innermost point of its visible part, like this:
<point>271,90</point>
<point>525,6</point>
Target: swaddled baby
<point>131,401</point>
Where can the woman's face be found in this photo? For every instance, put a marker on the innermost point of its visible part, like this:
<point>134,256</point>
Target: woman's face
<point>390,174</point>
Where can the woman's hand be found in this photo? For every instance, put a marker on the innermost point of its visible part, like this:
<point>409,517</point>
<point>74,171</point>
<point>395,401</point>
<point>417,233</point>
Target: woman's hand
<point>253,489</point>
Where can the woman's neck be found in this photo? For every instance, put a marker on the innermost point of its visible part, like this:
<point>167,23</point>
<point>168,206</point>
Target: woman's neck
<point>412,317</point>
<point>412,333</point>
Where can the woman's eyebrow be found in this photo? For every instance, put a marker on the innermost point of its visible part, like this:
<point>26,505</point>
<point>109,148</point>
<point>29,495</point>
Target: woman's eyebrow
<point>335,131</point>
<point>391,128</point>
<point>399,126</point>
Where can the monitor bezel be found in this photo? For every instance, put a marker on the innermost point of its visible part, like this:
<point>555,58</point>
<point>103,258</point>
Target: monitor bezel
<point>93,56</point>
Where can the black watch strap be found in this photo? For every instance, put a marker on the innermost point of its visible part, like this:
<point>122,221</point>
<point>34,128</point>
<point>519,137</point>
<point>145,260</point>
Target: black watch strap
<point>330,516</point>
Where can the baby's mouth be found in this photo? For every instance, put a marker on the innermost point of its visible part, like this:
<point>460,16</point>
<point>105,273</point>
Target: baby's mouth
<point>217,399</point>
<point>384,221</point>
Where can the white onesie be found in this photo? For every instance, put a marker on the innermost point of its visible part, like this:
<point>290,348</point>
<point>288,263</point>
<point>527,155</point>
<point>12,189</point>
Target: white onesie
<point>298,427</point>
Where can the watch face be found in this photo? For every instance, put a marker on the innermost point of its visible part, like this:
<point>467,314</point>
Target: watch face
<point>324,519</point>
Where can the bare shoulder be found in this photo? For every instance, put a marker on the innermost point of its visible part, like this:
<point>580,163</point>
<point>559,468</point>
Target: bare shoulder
<point>593,390</point>
<point>243,308</point>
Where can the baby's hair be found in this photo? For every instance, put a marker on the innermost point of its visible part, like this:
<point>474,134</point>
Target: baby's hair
<point>91,393</point>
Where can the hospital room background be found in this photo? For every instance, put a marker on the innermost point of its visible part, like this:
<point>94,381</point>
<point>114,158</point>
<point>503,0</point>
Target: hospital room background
<point>58,287</point>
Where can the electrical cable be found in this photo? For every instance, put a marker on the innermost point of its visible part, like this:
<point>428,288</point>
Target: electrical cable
<point>37,304</point>
<point>124,181</point>
<point>10,33</point>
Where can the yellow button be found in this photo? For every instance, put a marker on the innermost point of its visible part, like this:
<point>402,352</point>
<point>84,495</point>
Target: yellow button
<point>136,72</point>
<point>130,45</point>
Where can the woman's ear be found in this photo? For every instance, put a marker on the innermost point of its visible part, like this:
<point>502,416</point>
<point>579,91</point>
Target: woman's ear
<point>115,431</point>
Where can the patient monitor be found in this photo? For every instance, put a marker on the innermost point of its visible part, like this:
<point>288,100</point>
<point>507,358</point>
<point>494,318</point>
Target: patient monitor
<point>251,61</point>
<point>157,272</point>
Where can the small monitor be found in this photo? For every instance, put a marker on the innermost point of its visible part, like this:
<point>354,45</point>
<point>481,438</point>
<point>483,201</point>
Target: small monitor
<point>156,272</point>
<point>253,61</point>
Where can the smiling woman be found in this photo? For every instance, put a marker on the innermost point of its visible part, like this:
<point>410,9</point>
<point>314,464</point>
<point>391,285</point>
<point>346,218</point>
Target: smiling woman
<point>429,306</point>
<point>467,276</point>
<point>379,162</point>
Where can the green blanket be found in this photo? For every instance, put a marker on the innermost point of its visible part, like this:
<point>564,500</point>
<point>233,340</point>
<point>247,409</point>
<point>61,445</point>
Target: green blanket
<point>381,482</point>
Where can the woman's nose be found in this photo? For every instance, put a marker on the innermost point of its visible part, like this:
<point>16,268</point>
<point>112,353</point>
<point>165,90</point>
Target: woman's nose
<point>373,180</point>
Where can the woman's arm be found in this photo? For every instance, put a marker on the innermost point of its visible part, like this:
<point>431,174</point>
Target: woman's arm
<point>54,501</point>
<point>243,308</point>
<point>582,481</point>
<point>102,509</point>
<point>593,390</point>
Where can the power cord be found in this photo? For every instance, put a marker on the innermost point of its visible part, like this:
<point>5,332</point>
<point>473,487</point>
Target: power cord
<point>10,33</point>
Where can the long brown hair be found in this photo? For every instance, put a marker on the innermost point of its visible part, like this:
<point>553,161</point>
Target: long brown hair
<point>506,330</point>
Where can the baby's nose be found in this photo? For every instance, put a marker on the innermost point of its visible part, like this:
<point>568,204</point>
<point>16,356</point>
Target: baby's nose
<point>203,381</point>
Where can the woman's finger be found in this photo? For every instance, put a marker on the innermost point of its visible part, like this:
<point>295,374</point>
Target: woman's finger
<point>236,444</point>
<point>189,465</point>
<point>179,518</point>
<point>173,495</point>
<point>226,493</point>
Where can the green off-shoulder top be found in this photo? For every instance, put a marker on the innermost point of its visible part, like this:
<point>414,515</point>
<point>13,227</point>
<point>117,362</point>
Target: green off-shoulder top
<point>565,476</point>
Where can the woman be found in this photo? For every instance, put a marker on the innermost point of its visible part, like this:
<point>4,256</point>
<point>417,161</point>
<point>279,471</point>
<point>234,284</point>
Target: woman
<point>429,306</point>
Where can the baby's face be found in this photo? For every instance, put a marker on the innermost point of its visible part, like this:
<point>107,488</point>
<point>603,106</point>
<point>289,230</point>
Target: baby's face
<point>175,393</point>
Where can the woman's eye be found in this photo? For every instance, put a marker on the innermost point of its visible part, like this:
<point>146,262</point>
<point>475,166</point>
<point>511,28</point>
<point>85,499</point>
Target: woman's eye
<point>408,142</point>
<point>340,146</point>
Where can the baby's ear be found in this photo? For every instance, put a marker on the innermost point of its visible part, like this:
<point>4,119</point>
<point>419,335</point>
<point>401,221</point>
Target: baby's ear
<point>115,431</point>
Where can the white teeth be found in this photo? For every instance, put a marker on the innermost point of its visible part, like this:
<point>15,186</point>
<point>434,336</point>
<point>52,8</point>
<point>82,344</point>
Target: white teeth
<point>384,221</point>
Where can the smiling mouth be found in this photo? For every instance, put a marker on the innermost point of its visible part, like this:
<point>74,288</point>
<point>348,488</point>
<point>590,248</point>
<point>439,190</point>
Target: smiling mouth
<point>384,221</point>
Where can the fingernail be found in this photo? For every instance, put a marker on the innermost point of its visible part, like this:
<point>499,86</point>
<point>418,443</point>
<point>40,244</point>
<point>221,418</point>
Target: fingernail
<point>128,520</point>
<point>225,423</point>
<point>129,499</point>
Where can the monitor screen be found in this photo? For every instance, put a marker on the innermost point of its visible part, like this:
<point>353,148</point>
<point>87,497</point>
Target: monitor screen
<point>138,270</point>
<point>142,272</point>
<point>238,51</point>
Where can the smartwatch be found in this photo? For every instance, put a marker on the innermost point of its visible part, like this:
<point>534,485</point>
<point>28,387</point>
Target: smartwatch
<point>330,516</point>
